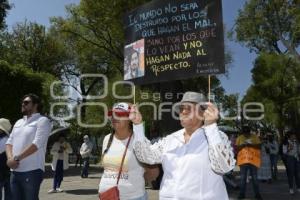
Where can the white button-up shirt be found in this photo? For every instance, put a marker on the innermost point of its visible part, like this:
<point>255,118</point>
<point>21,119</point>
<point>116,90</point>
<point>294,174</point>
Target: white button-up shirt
<point>28,131</point>
<point>192,170</point>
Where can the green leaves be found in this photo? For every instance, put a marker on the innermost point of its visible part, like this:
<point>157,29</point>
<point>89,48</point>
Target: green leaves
<point>16,81</point>
<point>4,7</point>
<point>270,26</point>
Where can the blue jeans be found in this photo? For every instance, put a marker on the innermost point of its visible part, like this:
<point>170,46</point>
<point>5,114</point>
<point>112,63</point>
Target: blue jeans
<point>144,197</point>
<point>253,173</point>
<point>26,185</point>
<point>58,174</point>
<point>85,168</point>
<point>293,171</point>
<point>7,194</point>
<point>274,158</point>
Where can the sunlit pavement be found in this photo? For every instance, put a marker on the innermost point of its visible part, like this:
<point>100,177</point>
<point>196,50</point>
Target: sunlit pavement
<point>76,188</point>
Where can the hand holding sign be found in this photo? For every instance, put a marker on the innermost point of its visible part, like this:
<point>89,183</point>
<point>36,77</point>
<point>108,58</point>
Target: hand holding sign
<point>135,115</point>
<point>211,114</point>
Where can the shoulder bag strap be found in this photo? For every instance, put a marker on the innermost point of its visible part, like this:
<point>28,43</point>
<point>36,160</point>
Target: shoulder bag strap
<point>120,170</point>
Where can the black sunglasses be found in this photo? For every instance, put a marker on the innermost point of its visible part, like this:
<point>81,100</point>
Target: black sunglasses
<point>26,102</point>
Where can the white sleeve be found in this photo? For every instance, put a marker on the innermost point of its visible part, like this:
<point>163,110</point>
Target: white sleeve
<point>144,151</point>
<point>42,132</point>
<point>220,151</point>
<point>69,149</point>
<point>54,149</point>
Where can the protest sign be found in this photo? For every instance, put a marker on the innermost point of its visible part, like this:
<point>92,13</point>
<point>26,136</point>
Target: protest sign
<point>249,155</point>
<point>174,39</point>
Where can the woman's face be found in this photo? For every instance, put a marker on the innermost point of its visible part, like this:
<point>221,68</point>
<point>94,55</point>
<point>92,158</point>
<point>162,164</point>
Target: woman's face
<point>120,122</point>
<point>190,115</point>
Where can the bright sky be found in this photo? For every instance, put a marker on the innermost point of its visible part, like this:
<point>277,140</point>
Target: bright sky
<point>239,74</point>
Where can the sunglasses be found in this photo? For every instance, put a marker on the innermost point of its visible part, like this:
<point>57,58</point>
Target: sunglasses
<point>186,108</point>
<point>189,107</point>
<point>26,102</point>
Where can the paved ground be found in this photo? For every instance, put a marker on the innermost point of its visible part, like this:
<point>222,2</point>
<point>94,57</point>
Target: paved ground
<point>77,188</point>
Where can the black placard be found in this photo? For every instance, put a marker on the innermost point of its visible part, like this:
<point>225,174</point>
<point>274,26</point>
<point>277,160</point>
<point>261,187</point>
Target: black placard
<point>174,39</point>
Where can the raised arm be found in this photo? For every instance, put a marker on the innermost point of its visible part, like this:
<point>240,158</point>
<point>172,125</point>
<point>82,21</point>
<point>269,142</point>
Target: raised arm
<point>220,151</point>
<point>145,151</point>
<point>219,147</point>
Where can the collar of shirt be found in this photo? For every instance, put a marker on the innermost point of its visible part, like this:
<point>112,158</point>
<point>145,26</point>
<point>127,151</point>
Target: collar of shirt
<point>179,135</point>
<point>31,118</point>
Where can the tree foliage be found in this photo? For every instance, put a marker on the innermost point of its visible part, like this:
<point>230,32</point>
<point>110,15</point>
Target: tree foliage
<point>4,7</point>
<point>270,26</point>
<point>272,30</point>
<point>15,82</point>
<point>29,44</point>
<point>275,81</point>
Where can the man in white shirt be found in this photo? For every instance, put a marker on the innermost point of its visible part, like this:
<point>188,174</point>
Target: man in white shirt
<point>26,148</point>
<point>85,152</point>
<point>193,158</point>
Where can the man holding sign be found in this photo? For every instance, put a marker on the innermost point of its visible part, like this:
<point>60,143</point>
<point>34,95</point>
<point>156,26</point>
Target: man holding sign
<point>248,158</point>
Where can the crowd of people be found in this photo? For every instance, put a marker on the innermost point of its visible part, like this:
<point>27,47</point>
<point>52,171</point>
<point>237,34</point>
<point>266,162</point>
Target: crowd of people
<point>265,150</point>
<point>193,159</point>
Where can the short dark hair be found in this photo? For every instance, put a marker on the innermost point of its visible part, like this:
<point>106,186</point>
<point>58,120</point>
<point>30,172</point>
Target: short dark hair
<point>35,100</point>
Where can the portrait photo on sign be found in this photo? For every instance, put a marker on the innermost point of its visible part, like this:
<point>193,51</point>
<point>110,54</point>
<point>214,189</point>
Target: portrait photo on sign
<point>134,65</point>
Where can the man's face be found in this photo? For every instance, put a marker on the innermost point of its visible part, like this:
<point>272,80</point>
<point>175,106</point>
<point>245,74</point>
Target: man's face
<point>190,115</point>
<point>28,107</point>
<point>134,63</point>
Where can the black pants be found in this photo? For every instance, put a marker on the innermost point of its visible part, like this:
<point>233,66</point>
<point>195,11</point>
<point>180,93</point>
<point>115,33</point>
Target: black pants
<point>85,168</point>
<point>293,171</point>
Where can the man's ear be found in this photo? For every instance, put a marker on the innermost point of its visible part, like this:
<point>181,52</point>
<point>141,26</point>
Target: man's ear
<point>35,107</point>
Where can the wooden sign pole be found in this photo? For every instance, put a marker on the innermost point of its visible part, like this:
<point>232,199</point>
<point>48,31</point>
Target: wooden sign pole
<point>208,88</point>
<point>133,94</point>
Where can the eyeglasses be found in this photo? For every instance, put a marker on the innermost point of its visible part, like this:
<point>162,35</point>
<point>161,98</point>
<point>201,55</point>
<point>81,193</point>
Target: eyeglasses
<point>26,102</point>
<point>187,108</point>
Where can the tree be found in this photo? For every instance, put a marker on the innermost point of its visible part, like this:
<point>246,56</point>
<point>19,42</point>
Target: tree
<point>270,26</point>
<point>29,44</point>
<point>15,82</point>
<point>4,7</point>
<point>275,80</point>
<point>272,30</point>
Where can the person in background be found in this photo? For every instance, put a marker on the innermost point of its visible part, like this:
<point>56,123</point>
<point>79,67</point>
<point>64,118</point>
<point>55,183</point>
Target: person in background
<point>26,149</point>
<point>85,152</point>
<point>292,151</point>
<point>283,156</point>
<point>5,128</point>
<point>78,157</point>
<point>193,158</point>
<point>264,172</point>
<point>274,149</point>
<point>60,162</point>
<point>246,142</point>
